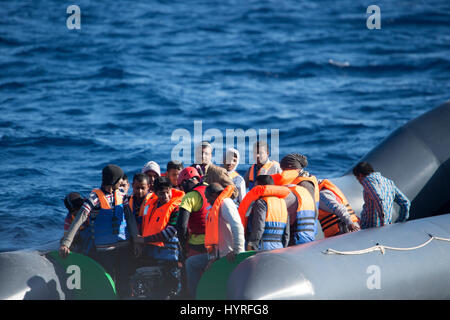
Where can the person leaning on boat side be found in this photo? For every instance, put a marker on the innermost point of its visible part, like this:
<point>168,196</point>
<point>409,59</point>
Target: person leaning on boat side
<point>379,194</point>
<point>224,234</point>
<point>268,222</point>
<point>73,202</point>
<point>110,228</point>
<point>335,213</point>
<point>263,165</point>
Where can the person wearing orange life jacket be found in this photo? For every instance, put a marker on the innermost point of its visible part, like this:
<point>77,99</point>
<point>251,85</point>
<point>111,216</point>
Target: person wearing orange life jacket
<point>230,163</point>
<point>224,234</point>
<point>263,165</point>
<point>264,215</point>
<point>335,213</point>
<point>109,226</point>
<point>293,166</point>
<point>192,214</point>
<point>303,203</point>
<point>139,198</point>
<point>161,244</point>
<point>159,221</point>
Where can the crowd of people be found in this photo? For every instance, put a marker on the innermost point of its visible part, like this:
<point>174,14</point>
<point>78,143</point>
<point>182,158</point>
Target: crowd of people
<point>186,218</point>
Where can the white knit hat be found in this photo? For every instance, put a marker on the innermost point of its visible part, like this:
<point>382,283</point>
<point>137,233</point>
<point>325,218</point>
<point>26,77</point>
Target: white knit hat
<point>230,153</point>
<point>152,165</point>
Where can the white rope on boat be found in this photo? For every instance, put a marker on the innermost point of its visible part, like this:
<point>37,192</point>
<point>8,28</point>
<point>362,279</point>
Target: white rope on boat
<point>382,248</point>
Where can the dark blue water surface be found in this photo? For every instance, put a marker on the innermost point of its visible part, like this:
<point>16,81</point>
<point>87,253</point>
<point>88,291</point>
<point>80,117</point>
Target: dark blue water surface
<point>72,101</point>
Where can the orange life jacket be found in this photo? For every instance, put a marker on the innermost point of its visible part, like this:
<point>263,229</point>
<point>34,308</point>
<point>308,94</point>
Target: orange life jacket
<point>141,209</point>
<point>290,176</point>
<point>259,192</point>
<point>329,221</point>
<point>212,219</point>
<point>305,224</point>
<point>275,224</point>
<point>138,215</point>
<point>156,219</point>
<point>263,170</point>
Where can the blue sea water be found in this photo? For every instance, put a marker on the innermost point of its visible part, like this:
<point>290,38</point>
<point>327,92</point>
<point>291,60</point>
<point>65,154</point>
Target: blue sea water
<point>72,101</point>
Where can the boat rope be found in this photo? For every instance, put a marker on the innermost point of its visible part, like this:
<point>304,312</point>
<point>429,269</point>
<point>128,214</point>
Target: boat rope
<point>382,248</point>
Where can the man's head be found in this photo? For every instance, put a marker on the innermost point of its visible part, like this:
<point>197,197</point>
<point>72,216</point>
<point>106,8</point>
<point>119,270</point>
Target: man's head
<point>362,170</point>
<point>163,189</point>
<point>260,152</point>
<point>124,184</point>
<point>204,150</point>
<point>264,180</point>
<point>188,178</point>
<point>294,161</point>
<point>140,185</point>
<point>73,202</point>
<point>112,176</point>
<point>213,191</point>
<point>173,171</point>
<point>231,159</point>
<point>152,170</point>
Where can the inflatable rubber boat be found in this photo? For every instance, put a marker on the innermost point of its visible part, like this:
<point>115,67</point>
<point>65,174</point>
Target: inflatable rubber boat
<point>406,260</point>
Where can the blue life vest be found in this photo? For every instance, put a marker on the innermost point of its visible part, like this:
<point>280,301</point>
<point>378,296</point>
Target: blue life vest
<point>305,226</point>
<point>109,226</point>
<point>275,224</point>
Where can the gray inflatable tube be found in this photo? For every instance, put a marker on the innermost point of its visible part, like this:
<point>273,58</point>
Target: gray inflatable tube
<point>417,158</point>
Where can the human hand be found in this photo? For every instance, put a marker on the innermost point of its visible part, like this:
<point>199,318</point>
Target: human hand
<point>64,251</point>
<point>231,256</point>
<point>354,227</point>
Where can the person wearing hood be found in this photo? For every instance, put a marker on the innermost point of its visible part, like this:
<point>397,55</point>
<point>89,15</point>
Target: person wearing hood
<point>230,163</point>
<point>110,227</point>
<point>152,170</point>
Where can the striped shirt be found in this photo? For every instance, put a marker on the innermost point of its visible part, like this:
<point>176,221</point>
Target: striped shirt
<point>90,207</point>
<point>380,194</point>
